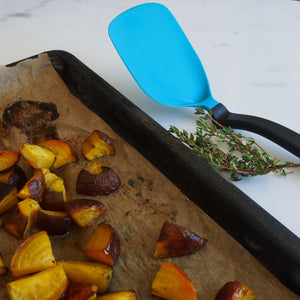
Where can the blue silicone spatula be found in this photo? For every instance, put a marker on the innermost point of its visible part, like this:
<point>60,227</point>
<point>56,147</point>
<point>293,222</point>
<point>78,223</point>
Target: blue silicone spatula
<point>161,59</point>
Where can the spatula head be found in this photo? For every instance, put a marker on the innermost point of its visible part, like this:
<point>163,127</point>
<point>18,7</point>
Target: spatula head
<point>159,56</point>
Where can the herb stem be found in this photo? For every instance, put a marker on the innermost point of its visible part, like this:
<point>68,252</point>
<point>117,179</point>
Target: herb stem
<point>244,157</point>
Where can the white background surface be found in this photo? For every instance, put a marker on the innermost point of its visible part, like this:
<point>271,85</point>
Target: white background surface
<point>250,50</point>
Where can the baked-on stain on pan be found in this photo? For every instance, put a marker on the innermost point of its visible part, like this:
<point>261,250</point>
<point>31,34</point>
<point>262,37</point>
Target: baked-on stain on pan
<point>32,118</point>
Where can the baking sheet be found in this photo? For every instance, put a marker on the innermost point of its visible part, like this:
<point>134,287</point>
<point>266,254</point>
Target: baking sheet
<point>146,199</point>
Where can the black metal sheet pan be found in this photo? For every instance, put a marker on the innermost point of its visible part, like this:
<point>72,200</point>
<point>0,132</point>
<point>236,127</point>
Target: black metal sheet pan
<point>277,248</point>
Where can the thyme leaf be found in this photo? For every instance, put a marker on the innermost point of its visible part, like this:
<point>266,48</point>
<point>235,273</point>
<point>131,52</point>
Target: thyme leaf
<point>225,149</point>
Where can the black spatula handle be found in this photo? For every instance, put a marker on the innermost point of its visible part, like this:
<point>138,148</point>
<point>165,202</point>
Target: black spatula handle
<point>286,138</point>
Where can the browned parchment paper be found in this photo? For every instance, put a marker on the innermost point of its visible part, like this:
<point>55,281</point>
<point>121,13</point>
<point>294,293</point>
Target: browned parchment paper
<point>137,211</point>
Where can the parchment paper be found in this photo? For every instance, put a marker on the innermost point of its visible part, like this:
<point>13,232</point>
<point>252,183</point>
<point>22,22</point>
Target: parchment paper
<point>137,211</point>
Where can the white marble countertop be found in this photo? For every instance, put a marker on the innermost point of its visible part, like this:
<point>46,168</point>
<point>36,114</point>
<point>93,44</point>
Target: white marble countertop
<point>250,50</point>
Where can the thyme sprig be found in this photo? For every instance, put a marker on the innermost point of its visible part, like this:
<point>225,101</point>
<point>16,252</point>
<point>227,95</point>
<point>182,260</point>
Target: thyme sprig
<point>223,148</point>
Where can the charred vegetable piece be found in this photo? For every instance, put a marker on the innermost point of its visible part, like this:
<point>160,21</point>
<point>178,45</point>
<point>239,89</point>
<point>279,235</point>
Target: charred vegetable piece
<point>33,255</point>
<point>84,211</point>
<point>122,295</point>
<point>8,159</point>
<point>14,176</point>
<point>38,156</point>
<point>3,268</point>
<point>104,245</point>
<point>48,284</point>
<point>175,240</point>
<point>19,220</point>
<point>54,222</point>
<point>81,291</point>
<point>96,145</point>
<point>65,154</point>
<point>88,272</point>
<point>97,180</point>
<point>55,191</point>
<point>172,283</point>
<point>34,188</point>
<point>234,290</point>
<point>8,197</point>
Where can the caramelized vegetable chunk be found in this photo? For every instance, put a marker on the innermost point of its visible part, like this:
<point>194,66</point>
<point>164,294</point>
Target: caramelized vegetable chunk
<point>38,156</point>
<point>3,268</point>
<point>104,245</point>
<point>88,272</point>
<point>122,295</point>
<point>48,284</point>
<point>171,283</point>
<point>14,176</point>
<point>33,255</point>
<point>96,145</point>
<point>175,240</point>
<point>54,222</point>
<point>97,180</point>
<point>234,290</point>
<point>34,188</point>
<point>8,159</point>
<point>65,154</point>
<point>82,291</point>
<point>8,197</point>
<point>20,218</point>
<point>84,211</point>
<point>55,191</point>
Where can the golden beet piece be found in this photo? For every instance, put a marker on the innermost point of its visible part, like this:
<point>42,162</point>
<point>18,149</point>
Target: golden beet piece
<point>54,222</point>
<point>48,284</point>
<point>84,211</point>
<point>234,290</point>
<point>33,255</point>
<point>8,159</point>
<point>38,156</point>
<point>88,272</point>
<point>65,154</point>
<point>34,188</point>
<point>55,192</point>
<point>172,283</point>
<point>19,220</point>
<point>14,176</point>
<point>81,291</point>
<point>122,295</point>
<point>96,145</point>
<point>175,240</point>
<point>104,245</point>
<point>3,268</point>
<point>97,180</point>
<point>8,197</point>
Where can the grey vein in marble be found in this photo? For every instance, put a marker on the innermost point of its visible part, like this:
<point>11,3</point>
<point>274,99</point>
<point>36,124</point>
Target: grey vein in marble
<point>27,13</point>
